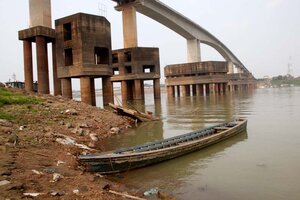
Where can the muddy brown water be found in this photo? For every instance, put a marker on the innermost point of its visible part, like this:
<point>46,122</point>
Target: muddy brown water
<point>262,163</point>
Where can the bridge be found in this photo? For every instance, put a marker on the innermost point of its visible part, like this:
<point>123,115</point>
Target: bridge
<point>192,32</point>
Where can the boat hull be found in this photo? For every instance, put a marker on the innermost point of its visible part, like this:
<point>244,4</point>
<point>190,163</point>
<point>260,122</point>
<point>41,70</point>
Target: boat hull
<point>112,163</point>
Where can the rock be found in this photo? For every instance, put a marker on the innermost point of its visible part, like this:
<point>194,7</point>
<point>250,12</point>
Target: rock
<point>33,194</point>
<point>57,177</point>
<point>83,125</point>
<point>60,162</point>
<point>37,172</point>
<point>114,130</point>
<point>78,131</point>
<point>92,145</point>
<point>71,112</point>
<point>5,123</point>
<point>6,173</point>
<point>49,170</point>
<point>5,182</point>
<point>21,128</point>
<point>69,125</point>
<point>76,191</point>
<point>61,123</point>
<point>94,137</point>
<point>151,191</point>
<point>57,194</point>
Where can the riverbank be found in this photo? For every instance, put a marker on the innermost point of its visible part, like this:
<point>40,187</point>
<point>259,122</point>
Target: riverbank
<point>40,138</point>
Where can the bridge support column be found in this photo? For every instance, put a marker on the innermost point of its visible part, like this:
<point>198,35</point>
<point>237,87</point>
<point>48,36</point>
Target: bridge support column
<point>56,81</point>
<point>156,87</point>
<point>107,91</point>
<point>193,50</point>
<point>212,88</point>
<point>42,65</point>
<point>129,27</point>
<point>194,92</point>
<point>230,68</point>
<point>28,71</point>
<point>67,88</point>
<point>204,90</point>
<point>138,92</point>
<point>171,91</point>
<point>87,87</point>
<point>199,90</point>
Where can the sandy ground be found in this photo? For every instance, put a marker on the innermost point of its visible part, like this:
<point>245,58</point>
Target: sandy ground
<point>34,160</point>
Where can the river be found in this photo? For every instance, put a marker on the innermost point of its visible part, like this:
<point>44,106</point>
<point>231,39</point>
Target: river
<point>262,163</point>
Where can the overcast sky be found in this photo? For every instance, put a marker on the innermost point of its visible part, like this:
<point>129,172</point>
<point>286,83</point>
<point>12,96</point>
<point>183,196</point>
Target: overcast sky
<point>263,34</point>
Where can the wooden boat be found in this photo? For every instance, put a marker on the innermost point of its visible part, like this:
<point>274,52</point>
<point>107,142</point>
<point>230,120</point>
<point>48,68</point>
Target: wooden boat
<point>154,152</point>
<point>135,114</point>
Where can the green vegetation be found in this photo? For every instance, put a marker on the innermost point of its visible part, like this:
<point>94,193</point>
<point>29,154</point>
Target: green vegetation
<point>10,98</point>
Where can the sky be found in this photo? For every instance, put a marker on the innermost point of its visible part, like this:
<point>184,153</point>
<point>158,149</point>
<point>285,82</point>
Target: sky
<point>263,34</point>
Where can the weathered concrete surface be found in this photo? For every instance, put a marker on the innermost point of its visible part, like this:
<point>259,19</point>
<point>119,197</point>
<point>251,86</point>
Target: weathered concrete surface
<point>129,27</point>
<point>40,13</point>
<point>66,85</point>
<point>42,65</point>
<point>28,68</point>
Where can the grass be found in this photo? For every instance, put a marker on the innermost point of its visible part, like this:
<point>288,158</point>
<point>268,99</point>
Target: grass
<point>11,98</point>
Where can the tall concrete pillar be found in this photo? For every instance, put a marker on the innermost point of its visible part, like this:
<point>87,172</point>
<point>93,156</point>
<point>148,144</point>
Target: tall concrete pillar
<point>138,95</point>
<point>230,68</point>
<point>40,13</point>
<point>42,65</point>
<point>221,87</point>
<point>67,88</point>
<point>107,90</point>
<point>193,50</point>
<point>204,90</point>
<point>178,90</point>
<point>188,90</point>
<point>56,81</point>
<point>86,89</point>
<point>124,91</point>
<point>28,71</point>
<point>93,91</point>
<point>129,27</point>
<point>171,91</point>
<point>156,85</point>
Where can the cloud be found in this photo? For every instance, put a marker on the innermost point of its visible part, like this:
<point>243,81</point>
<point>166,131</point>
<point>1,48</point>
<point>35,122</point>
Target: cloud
<point>273,3</point>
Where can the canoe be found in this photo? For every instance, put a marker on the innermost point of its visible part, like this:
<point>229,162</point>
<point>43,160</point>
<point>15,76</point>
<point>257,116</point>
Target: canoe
<point>134,114</point>
<point>150,153</point>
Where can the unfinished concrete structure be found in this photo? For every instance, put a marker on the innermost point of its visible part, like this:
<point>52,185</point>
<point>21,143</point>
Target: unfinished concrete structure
<point>41,33</point>
<point>84,52</point>
<point>131,66</point>
<point>203,78</point>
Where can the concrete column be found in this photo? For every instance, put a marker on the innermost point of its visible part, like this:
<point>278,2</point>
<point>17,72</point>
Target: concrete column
<point>124,91</point>
<point>28,71</point>
<point>67,88</point>
<point>93,91</point>
<point>226,87</point>
<point>107,91</point>
<point>193,50</point>
<point>56,81</point>
<point>156,87</point>
<point>130,90</point>
<point>188,90</point>
<point>221,87</point>
<point>204,90</point>
<point>40,13</point>
<point>178,90</point>
<point>129,27</point>
<point>86,89</point>
<point>183,90</point>
<point>199,90</point>
<point>217,88</point>
<point>230,68</point>
<point>171,91</point>
<point>138,90</point>
<point>42,65</point>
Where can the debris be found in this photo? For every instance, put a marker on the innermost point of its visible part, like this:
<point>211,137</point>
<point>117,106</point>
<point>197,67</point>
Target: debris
<point>37,172</point>
<point>78,131</point>
<point>21,128</point>
<point>49,170</point>
<point>114,130</point>
<point>60,162</point>
<point>92,144</point>
<point>5,182</point>
<point>151,191</point>
<point>125,195</point>
<point>67,141</point>
<point>57,193</point>
<point>33,194</point>
<point>61,123</point>
<point>76,191</point>
<point>94,137</point>
<point>13,138</point>
<point>71,112</point>
<point>56,177</point>
<point>83,125</point>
